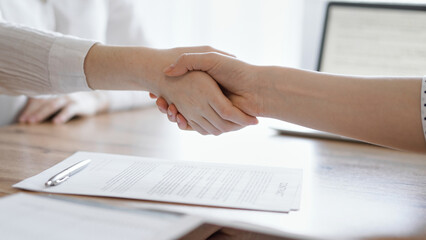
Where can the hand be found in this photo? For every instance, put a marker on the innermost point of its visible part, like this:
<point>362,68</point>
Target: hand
<point>201,100</point>
<point>171,111</point>
<point>63,108</point>
<point>239,80</point>
<point>139,68</point>
<point>132,68</point>
<point>217,114</point>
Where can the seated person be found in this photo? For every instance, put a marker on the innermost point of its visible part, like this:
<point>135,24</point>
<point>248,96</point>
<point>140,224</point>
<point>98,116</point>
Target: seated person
<point>37,59</point>
<point>118,24</point>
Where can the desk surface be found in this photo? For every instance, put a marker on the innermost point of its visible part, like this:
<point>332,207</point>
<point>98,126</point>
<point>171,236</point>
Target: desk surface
<point>350,190</point>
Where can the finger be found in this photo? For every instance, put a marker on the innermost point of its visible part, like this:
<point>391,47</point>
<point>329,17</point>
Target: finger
<point>30,107</point>
<point>221,52</point>
<point>182,122</point>
<point>152,95</point>
<point>197,128</point>
<point>222,124</point>
<point>205,49</point>
<point>202,122</point>
<point>191,62</point>
<point>225,53</point>
<point>65,114</point>
<point>170,117</point>
<point>172,112</point>
<point>162,105</point>
<point>49,108</point>
<point>226,110</point>
<point>208,126</point>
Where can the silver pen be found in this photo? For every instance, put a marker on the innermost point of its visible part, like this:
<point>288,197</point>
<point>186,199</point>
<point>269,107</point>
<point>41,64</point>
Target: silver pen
<point>67,173</point>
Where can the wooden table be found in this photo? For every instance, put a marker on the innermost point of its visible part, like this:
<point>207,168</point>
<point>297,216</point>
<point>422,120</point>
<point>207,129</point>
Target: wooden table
<point>350,190</point>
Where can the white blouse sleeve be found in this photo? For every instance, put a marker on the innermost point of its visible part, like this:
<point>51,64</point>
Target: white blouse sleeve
<point>35,62</point>
<point>423,105</point>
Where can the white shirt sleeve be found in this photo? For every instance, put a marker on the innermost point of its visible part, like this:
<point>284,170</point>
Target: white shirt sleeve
<point>35,62</point>
<point>423,105</point>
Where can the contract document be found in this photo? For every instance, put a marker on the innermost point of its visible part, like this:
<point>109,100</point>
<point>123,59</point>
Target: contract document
<point>200,183</point>
<point>25,216</point>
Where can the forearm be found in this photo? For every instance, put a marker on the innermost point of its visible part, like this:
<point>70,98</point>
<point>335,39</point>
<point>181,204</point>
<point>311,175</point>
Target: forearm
<point>383,111</point>
<point>125,68</point>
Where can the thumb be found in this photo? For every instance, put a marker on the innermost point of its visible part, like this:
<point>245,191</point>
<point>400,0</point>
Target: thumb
<point>193,62</point>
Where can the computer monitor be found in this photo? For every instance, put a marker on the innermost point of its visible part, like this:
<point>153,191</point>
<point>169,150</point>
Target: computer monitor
<point>374,39</point>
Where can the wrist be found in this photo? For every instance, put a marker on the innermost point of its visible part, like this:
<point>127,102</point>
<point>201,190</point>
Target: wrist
<point>124,68</point>
<point>265,79</point>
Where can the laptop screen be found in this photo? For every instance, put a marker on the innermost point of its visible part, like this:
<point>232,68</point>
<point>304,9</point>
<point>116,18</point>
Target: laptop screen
<point>374,39</point>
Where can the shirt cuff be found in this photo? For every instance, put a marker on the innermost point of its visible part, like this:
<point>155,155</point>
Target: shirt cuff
<point>66,64</point>
<point>423,105</point>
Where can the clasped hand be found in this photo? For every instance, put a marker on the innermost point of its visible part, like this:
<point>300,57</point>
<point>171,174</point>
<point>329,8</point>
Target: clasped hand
<point>238,81</point>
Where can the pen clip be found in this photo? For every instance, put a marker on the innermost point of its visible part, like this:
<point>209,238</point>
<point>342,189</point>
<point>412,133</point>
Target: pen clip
<point>61,180</point>
<point>54,182</point>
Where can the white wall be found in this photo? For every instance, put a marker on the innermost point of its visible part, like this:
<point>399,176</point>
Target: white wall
<point>257,31</point>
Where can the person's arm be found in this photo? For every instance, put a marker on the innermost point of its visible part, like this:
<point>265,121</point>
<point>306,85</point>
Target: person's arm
<point>138,68</point>
<point>62,108</point>
<point>380,110</point>
<point>36,62</point>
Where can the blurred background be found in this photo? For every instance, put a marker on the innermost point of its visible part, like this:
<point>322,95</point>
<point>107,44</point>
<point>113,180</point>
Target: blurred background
<point>264,32</point>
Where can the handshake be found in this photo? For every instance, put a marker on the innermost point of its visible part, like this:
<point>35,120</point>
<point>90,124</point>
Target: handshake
<point>212,92</point>
<point>208,90</point>
<point>222,94</point>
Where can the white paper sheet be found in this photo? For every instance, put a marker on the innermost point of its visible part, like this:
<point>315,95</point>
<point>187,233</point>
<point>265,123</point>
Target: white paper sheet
<point>25,216</point>
<point>200,183</point>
